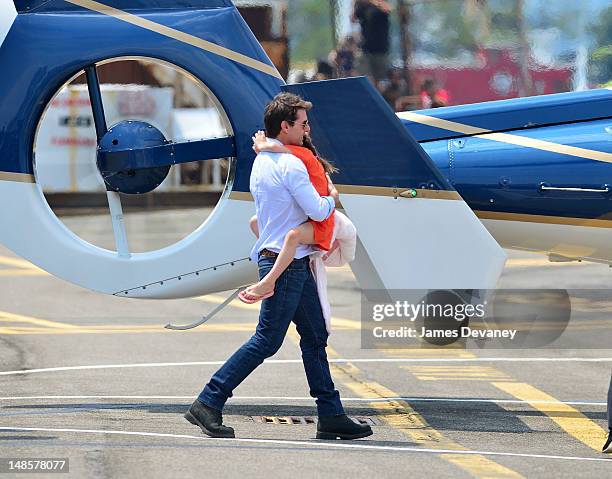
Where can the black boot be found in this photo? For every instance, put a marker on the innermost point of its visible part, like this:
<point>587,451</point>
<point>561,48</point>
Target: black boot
<point>341,427</point>
<point>208,419</point>
<point>607,447</point>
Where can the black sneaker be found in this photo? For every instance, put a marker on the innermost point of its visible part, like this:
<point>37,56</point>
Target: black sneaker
<point>341,427</point>
<point>208,419</point>
<point>607,447</point>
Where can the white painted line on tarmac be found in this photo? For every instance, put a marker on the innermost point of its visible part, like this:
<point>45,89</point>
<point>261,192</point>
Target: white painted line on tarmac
<point>299,361</point>
<point>191,397</point>
<point>321,445</point>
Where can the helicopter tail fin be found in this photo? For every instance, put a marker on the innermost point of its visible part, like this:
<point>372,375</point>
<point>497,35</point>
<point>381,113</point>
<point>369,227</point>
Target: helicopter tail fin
<point>414,229</point>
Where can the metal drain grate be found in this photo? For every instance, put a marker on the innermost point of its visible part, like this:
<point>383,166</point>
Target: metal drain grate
<point>297,420</point>
<point>285,419</point>
<point>370,421</point>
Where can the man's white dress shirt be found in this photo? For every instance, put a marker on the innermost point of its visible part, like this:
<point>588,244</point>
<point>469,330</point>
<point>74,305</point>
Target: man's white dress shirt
<point>284,199</point>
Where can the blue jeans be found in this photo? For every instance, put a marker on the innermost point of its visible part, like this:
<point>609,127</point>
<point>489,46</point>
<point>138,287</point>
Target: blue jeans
<point>295,299</point>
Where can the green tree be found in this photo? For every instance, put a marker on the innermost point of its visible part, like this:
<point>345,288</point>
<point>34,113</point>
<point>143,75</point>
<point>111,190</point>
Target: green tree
<point>309,25</point>
<point>441,28</point>
<point>601,58</point>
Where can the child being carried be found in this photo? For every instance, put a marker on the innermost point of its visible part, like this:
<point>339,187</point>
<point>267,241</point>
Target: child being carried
<point>318,233</point>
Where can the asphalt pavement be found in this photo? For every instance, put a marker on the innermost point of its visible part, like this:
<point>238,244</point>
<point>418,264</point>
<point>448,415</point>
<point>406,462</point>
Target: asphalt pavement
<point>98,381</point>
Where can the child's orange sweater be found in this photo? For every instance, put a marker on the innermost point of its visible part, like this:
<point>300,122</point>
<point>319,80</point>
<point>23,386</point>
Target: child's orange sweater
<point>323,230</point>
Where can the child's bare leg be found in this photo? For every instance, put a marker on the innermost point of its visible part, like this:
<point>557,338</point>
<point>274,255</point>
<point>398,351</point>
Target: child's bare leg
<point>253,225</point>
<point>303,234</point>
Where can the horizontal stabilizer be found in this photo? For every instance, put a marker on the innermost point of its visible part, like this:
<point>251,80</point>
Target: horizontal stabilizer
<point>505,115</point>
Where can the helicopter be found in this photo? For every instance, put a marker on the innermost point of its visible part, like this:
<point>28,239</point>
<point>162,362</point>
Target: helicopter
<point>435,195</point>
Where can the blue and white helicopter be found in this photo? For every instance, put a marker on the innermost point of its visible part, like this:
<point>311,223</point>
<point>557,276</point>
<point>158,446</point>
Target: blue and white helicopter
<point>435,195</point>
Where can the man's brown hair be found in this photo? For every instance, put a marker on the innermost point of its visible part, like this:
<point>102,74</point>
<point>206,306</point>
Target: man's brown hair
<point>283,107</point>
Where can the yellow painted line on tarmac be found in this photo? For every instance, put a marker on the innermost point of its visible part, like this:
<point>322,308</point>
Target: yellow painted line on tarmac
<point>573,325</point>
<point>401,416</point>
<point>128,329</point>
<point>534,262</point>
<point>16,324</point>
<point>480,466</point>
<point>579,324</point>
<point>565,416</point>
<point>590,304</point>
<point>19,267</point>
<point>409,353</point>
<point>19,318</point>
<point>54,328</point>
<point>22,272</point>
<point>339,323</point>
<point>217,328</point>
<point>236,303</point>
<point>18,262</point>
<point>568,418</point>
<point>24,331</point>
<point>457,373</point>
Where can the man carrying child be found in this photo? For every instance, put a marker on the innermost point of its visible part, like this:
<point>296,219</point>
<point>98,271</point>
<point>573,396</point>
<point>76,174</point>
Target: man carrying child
<point>284,199</point>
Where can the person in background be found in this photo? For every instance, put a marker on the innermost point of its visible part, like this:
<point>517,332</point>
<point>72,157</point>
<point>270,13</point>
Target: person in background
<point>373,18</point>
<point>325,70</point>
<point>344,57</point>
<point>432,96</point>
<point>607,447</point>
<point>394,89</point>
